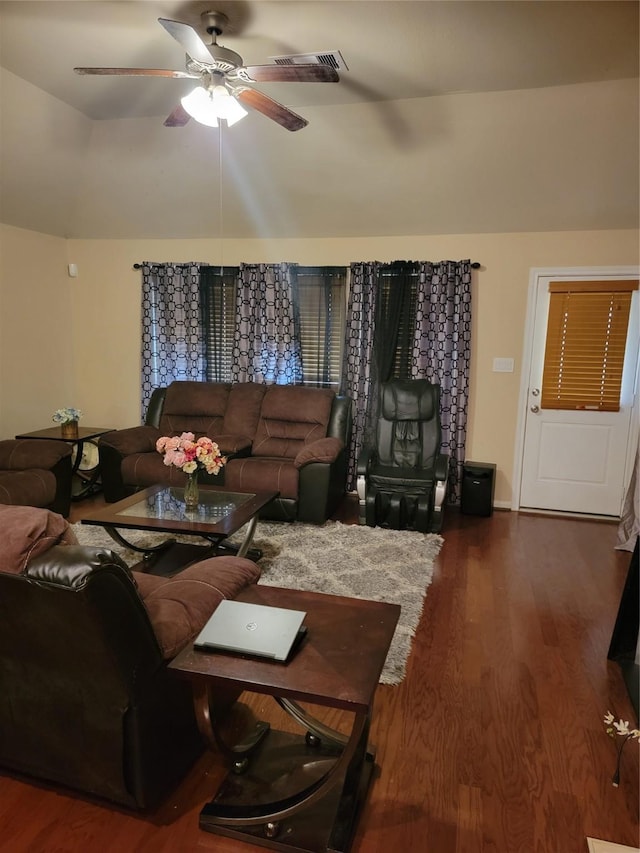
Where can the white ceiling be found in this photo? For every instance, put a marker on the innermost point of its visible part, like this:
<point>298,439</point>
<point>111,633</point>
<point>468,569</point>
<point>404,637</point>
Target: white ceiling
<point>493,99</point>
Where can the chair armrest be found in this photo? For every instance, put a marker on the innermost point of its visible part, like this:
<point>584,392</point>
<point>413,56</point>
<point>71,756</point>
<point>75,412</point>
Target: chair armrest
<point>441,467</point>
<point>22,453</point>
<point>138,439</point>
<point>365,460</point>
<point>321,450</point>
<point>179,607</point>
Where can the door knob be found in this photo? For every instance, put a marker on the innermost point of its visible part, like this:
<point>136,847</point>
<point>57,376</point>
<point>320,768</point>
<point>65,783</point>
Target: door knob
<point>535,408</point>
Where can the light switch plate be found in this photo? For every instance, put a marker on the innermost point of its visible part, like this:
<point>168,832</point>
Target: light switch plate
<point>503,365</point>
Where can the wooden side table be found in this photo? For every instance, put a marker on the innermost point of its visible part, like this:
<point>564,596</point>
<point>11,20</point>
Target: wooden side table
<point>86,467</point>
<point>285,791</point>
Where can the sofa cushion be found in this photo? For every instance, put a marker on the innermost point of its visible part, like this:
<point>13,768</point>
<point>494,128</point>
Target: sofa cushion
<point>243,409</point>
<point>179,607</point>
<point>28,532</point>
<point>262,474</point>
<point>197,407</point>
<point>291,416</point>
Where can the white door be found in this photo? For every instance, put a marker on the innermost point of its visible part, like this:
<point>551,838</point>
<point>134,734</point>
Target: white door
<point>575,460</point>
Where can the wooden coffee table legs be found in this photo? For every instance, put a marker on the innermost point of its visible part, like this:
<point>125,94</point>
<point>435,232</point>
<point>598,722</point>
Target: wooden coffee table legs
<point>290,792</point>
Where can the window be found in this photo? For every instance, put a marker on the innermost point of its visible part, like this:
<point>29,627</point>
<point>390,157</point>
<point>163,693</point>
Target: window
<point>218,306</point>
<point>586,342</point>
<point>396,320</point>
<point>322,311</point>
<point>322,297</point>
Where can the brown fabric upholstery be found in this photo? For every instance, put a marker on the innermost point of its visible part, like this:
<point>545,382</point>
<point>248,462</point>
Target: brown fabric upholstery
<point>196,407</point>
<point>179,607</point>
<point>23,454</point>
<point>290,418</point>
<point>140,439</point>
<point>36,472</point>
<point>261,474</point>
<point>285,437</point>
<point>320,450</point>
<point>86,696</point>
<point>34,487</point>
<point>27,532</point>
<point>243,410</point>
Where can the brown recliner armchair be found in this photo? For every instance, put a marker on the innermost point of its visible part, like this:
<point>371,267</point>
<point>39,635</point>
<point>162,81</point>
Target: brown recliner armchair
<point>86,696</point>
<point>36,472</point>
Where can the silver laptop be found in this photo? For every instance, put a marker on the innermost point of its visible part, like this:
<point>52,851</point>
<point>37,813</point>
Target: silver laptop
<point>252,629</point>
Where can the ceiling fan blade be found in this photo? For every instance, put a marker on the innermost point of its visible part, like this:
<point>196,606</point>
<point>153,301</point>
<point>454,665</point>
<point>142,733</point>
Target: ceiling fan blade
<point>178,118</point>
<point>189,39</point>
<point>308,73</point>
<point>136,72</point>
<point>270,108</point>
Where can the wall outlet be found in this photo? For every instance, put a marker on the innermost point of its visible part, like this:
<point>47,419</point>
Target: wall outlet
<point>503,365</point>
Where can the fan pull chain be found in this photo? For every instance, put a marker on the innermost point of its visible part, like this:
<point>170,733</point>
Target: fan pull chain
<point>220,228</point>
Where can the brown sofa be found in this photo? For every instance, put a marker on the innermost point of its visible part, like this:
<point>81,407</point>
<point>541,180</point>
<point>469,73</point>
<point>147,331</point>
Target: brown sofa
<point>289,438</point>
<point>36,472</point>
<point>86,697</point>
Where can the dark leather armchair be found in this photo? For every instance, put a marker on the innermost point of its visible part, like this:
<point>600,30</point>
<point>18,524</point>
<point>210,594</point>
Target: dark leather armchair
<point>402,481</point>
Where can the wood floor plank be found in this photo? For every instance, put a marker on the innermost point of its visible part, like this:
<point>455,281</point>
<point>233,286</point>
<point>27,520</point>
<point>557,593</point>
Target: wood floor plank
<point>493,743</point>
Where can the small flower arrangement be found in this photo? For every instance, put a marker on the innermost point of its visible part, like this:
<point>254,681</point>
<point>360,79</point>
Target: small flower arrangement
<point>619,727</point>
<point>191,454</point>
<point>66,415</point>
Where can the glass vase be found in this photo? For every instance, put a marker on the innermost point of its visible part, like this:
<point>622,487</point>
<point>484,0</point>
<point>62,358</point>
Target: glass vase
<point>191,491</point>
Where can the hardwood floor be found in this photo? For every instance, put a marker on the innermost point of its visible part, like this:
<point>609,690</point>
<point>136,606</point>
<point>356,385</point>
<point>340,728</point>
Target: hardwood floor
<point>494,742</point>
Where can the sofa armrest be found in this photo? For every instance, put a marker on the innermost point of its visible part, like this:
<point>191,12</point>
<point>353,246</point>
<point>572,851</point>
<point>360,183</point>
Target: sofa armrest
<point>115,446</point>
<point>138,439</point>
<point>321,450</point>
<point>179,607</point>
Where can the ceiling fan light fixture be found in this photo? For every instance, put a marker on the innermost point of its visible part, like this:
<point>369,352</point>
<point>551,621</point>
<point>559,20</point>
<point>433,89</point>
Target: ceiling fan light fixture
<point>199,105</point>
<point>227,106</point>
<point>208,105</point>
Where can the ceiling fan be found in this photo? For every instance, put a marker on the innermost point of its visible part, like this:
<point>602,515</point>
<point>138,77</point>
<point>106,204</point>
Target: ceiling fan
<point>222,91</point>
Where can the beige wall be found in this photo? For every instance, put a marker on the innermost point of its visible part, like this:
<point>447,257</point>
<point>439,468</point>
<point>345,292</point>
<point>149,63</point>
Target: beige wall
<point>36,330</point>
<point>99,311</point>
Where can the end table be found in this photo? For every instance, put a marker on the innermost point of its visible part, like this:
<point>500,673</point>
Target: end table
<point>86,467</point>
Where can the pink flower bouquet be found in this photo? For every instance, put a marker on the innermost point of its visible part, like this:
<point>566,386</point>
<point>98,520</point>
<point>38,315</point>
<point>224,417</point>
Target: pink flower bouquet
<point>191,454</point>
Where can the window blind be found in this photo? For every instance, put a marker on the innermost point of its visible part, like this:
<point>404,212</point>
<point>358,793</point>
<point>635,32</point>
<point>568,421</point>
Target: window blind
<point>322,310</point>
<point>218,306</point>
<point>585,344</point>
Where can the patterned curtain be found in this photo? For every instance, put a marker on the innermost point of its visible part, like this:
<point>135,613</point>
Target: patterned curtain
<point>172,346</point>
<point>267,343</point>
<point>442,351</point>
<point>359,373</point>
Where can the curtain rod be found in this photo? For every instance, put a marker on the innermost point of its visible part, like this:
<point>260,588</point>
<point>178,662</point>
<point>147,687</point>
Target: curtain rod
<point>475,265</point>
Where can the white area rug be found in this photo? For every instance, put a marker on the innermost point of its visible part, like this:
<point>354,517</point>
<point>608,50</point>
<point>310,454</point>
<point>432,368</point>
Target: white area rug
<point>339,559</point>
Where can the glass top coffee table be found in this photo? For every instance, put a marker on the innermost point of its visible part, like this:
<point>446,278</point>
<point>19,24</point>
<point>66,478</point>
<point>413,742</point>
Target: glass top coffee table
<point>161,509</point>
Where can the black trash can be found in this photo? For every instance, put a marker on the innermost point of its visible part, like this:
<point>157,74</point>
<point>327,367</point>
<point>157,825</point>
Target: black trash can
<point>478,486</point>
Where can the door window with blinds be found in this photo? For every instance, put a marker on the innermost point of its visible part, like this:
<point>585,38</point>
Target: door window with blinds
<point>586,343</point>
<point>322,312</point>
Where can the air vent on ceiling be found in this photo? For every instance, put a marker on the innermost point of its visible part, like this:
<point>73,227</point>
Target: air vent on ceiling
<point>332,58</point>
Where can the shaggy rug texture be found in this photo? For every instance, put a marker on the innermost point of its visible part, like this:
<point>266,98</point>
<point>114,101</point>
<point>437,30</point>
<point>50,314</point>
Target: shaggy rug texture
<point>338,559</point>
